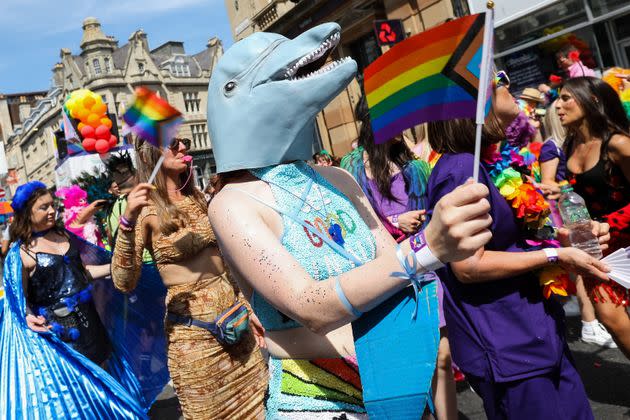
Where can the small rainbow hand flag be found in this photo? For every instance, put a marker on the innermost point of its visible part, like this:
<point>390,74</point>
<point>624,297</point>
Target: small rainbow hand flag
<point>152,118</point>
<point>431,76</point>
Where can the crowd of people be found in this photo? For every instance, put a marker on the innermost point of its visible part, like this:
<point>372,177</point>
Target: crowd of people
<point>273,273</point>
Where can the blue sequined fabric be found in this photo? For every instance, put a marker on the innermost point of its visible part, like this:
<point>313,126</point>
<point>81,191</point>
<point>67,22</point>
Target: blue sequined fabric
<point>323,204</point>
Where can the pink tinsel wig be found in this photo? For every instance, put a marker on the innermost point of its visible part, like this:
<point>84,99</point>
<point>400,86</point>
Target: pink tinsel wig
<point>72,196</point>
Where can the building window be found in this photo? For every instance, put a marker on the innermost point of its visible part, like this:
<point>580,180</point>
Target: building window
<point>199,136</point>
<point>97,66</point>
<point>191,101</point>
<point>140,67</point>
<point>108,67</point>
<point>179,68</point>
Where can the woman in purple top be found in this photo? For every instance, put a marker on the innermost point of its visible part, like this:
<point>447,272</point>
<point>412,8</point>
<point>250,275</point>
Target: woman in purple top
<point>394,182</point>
<point>506,338</point>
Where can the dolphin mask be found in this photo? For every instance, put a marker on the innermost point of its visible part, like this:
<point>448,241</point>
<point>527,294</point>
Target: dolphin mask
<point>264,95</point>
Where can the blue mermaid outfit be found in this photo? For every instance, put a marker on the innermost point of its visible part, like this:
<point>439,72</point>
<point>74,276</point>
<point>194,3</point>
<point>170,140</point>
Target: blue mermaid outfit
<point>318,388</point>
<point>41,376</point>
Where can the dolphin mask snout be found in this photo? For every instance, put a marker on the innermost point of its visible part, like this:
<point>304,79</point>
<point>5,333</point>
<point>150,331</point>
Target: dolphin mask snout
<point>264,95</point>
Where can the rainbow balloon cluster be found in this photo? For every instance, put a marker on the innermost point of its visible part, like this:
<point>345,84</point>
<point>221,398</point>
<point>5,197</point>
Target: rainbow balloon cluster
<point>94,125</point>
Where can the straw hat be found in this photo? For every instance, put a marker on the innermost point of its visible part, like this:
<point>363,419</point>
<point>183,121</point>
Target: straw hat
<point>532,94</point>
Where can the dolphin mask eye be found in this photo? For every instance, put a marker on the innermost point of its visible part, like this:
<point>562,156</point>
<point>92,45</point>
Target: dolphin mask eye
<point>229,88</point>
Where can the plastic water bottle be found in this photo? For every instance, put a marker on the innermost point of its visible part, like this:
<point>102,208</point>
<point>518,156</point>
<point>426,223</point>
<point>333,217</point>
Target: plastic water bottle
<point>576,218</point>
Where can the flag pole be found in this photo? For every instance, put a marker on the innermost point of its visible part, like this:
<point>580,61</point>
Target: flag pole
<point>484,83</point>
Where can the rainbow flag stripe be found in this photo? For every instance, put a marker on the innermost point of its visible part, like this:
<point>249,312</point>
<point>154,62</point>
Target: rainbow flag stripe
<point>431,76</point>
<point>152,118</point>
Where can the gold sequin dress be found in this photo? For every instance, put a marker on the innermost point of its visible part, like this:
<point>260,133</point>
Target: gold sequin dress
<point>211,381</point>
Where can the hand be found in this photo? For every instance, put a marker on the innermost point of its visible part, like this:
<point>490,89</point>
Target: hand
<point>544,88</point>
<point>600,230</point>
<point>460,222</point>
<point>549,191</point>
<point>136,200</point>
<point>258,330</point>
<point>579,262</point>
<point>411,221</point>
<point>36,323</point>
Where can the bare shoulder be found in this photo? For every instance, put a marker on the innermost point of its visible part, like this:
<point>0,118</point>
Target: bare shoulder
<point>148,217</point>
<point>28,262</point>
<point>620,145</point>
<point>619,150</point>
<point>241,205</point>
<point>233,196</point>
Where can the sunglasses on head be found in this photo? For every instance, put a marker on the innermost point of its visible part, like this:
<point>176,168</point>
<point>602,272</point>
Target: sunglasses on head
<point>501,79</point>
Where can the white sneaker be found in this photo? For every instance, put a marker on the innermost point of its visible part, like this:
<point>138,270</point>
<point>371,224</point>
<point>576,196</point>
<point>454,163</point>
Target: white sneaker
<point>597,334</point>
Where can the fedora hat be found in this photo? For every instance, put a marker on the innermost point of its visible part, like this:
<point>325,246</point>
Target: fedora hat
<point>532,94</point>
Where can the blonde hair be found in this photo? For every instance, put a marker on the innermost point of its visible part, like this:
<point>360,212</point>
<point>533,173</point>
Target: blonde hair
<point>170,216</point>
<point>553,126</point>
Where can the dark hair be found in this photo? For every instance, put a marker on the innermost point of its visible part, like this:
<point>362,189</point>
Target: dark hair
<point>21,228</point>
<point>114,163</point>
<point>603,112</point>
<point>458,135</point>
<point>380,156</point>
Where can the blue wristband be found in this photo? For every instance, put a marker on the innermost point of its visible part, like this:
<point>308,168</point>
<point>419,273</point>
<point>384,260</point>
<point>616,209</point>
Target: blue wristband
<point>344,300</point>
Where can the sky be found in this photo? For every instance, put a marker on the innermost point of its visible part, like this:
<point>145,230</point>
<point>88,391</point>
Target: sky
<point>32,32</point>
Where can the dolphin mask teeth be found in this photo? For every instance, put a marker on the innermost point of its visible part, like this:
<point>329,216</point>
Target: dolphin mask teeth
<point>315,60</point>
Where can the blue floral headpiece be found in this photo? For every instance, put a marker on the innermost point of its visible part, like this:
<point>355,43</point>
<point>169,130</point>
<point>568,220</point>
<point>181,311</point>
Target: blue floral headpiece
<point>24,192</point>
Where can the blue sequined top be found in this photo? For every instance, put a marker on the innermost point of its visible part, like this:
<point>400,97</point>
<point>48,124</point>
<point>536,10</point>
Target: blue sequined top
<point>323,205</point>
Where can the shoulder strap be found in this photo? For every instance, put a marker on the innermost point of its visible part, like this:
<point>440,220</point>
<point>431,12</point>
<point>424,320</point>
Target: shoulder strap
<point>334,245</point>
<point>33,256</point>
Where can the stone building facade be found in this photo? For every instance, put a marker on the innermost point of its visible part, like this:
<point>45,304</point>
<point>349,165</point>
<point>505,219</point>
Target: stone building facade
<point>337,124</point>
<point>114,72</point>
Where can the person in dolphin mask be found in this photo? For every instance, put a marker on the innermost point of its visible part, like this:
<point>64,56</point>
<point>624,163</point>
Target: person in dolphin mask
<point>320,270</point>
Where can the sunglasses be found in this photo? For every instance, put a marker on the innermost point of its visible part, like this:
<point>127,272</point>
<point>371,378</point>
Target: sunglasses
<point>174,146</point>
<point>501,79</point>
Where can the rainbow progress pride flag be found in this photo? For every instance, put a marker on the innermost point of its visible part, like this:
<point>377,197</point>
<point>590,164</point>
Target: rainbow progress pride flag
<point>431,76</point>
<point>152,118</point>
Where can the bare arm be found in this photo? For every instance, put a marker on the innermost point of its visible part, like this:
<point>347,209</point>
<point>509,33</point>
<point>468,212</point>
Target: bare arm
<point>99,271</point>
<point>548,171</point>
<point>34,322</point>
<point>253,249</point>
<point>127,258</point>
<point>619,149</point>
<point>487,266</point>
<point>84,215</point>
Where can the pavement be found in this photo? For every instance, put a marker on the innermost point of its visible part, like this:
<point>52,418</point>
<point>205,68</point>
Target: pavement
<point>605,373</point>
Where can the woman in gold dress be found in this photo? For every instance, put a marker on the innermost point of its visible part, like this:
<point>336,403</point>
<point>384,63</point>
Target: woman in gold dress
<point>211,380</point>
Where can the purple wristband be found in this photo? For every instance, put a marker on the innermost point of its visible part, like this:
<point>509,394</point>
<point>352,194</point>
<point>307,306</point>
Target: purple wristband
<point>417,241</point>
<point>126,223</point>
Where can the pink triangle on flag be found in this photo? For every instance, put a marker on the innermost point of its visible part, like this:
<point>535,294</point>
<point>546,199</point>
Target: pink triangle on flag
<point>69,132</point>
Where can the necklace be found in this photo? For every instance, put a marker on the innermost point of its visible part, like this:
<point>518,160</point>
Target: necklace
<point>40,233</point>
<point>334,229</point>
